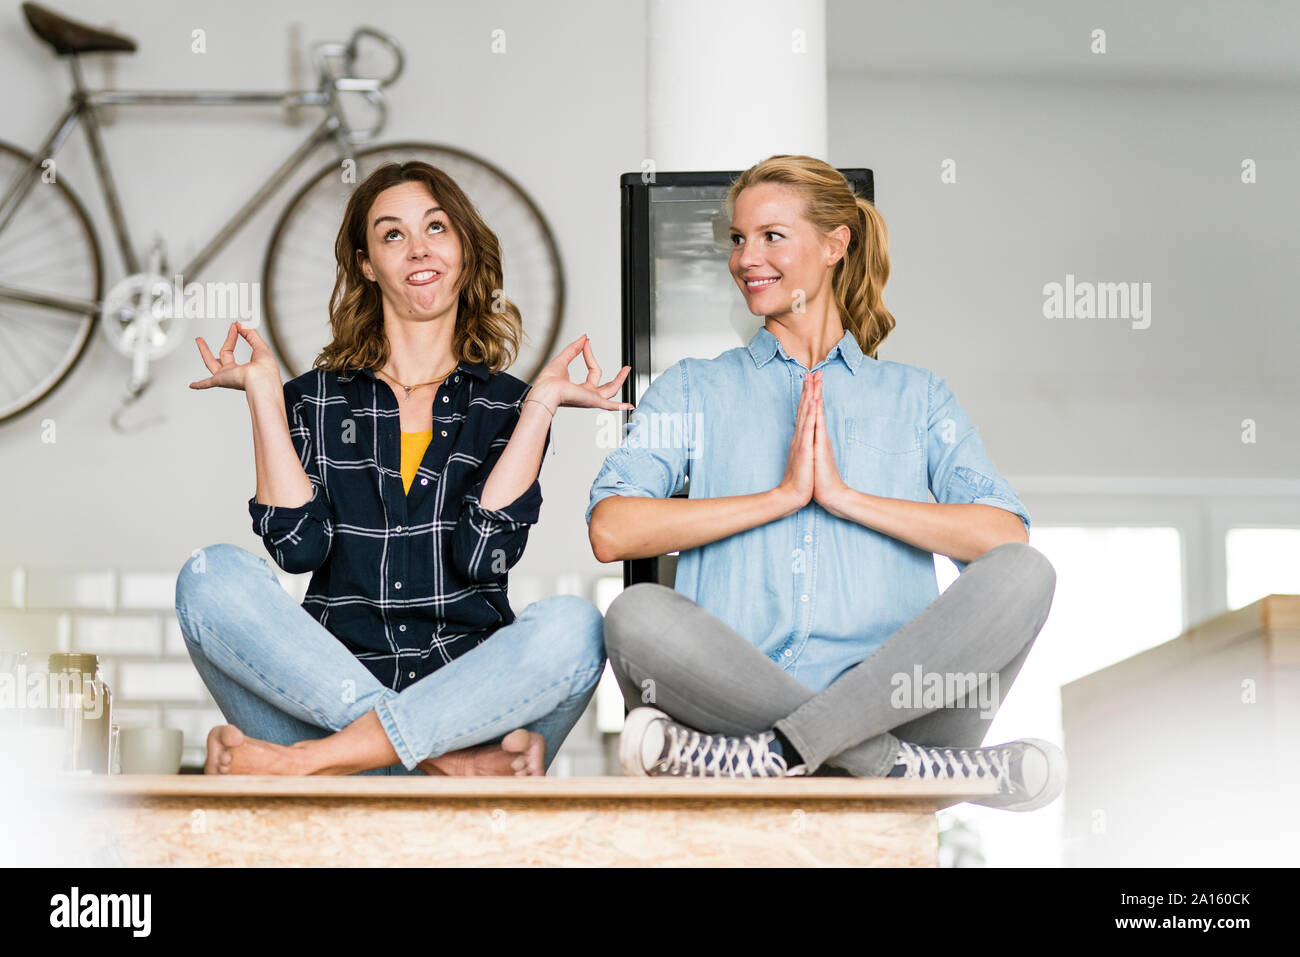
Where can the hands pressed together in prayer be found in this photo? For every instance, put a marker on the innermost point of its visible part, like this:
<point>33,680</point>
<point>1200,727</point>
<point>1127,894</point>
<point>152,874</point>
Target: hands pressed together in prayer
<point>810,472</point>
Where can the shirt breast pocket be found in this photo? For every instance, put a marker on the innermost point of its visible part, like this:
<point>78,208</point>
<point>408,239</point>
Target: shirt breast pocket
<point>885,457</point>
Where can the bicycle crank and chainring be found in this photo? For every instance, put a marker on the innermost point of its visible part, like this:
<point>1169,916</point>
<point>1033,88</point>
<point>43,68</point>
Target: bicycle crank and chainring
<point>143,317</point>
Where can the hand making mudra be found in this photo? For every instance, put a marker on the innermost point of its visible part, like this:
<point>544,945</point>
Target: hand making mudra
<point>553,387</point>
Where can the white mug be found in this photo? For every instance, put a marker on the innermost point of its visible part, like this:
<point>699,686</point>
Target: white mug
<point>150,750</point>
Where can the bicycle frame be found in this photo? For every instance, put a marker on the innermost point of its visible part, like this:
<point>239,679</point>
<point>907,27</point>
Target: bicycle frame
<point>82,107</point>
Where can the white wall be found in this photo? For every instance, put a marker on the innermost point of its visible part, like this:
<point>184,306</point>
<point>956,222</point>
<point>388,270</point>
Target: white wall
<point>1123,167</point>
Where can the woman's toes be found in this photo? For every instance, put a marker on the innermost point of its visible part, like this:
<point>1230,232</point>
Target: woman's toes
<point>531,748</point>
<point>223,741</point>
<point>516,740</point>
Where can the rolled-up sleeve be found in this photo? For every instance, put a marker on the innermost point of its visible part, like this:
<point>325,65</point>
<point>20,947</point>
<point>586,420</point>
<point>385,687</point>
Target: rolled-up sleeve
<point>654,458</point>
<point>298,538</point>
<point>961,472</point>
<point>488,542</point>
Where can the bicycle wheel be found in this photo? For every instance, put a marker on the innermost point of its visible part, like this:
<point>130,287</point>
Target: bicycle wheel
<point>298,274</point>
<point>48,247</point>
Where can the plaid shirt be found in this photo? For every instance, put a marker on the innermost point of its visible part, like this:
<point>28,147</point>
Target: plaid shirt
<point>406,582</point>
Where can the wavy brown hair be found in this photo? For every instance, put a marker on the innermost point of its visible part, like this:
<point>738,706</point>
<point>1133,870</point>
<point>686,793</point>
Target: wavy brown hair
<point>860,275</point>
<point>488,325</point>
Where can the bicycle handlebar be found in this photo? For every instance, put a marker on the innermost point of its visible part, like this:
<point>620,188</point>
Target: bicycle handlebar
<point>344,80</point>
<point>384,40</point>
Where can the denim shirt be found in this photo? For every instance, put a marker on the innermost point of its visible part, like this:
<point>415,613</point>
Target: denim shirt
<point>817,594</point>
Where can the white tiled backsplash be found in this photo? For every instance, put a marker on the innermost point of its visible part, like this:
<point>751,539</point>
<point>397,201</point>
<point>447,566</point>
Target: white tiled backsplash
<point>120,635</point>
<point>129,620</point>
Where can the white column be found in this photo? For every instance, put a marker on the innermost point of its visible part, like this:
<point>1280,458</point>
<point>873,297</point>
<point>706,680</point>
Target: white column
<point>730,82</point>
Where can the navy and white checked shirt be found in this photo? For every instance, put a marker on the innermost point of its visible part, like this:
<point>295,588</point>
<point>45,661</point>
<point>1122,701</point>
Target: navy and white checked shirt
<point>406,582</point>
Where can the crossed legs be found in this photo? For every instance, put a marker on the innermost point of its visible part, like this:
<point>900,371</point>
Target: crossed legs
<point>668,651</point>
<point>286,683</point>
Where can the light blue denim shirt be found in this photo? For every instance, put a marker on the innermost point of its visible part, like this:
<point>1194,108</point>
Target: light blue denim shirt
<point>817,594</point>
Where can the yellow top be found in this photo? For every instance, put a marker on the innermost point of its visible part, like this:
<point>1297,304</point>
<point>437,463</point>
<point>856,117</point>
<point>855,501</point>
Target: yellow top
<point>414,445</point>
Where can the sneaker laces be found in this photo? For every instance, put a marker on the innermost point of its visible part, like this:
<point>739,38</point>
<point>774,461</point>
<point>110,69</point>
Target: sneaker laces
<point>692,753</point>
<point>957,763</point>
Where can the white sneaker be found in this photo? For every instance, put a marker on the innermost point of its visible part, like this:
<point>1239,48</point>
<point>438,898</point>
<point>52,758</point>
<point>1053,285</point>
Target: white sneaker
<point>653,744</point>
<point>1030,771</point>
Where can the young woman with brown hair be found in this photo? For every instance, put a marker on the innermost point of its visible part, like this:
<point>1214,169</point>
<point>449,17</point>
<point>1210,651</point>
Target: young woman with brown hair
<point>402,472</point>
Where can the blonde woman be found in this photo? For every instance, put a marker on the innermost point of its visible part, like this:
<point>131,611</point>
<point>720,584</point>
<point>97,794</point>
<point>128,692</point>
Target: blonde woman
<point>805,632</point>
<point>402,472</point>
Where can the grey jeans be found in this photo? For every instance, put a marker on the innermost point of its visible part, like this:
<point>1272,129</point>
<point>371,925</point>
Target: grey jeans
<point>712,679</point>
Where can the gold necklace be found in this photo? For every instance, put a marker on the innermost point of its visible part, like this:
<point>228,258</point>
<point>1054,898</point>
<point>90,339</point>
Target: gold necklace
<point>408,388</point>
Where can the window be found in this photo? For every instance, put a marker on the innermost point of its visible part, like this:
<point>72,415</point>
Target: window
<point>1260,562</point>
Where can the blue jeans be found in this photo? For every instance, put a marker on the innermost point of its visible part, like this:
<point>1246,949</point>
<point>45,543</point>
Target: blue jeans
<point>279,675</point>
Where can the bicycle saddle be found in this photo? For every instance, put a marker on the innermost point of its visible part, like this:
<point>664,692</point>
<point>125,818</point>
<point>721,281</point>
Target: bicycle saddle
<point>69,36</point>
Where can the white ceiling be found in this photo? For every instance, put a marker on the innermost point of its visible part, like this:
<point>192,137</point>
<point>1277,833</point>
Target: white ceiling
<point>1251,41</point>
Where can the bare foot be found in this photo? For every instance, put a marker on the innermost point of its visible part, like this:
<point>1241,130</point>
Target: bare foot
<point>230,751</point>
<point>520,753</point>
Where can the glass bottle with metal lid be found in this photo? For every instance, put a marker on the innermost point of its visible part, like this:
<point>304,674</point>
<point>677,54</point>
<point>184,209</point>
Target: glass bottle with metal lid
<point>83,704</point>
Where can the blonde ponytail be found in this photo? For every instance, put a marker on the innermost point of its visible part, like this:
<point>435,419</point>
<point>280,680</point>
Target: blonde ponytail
<point>860,279</point>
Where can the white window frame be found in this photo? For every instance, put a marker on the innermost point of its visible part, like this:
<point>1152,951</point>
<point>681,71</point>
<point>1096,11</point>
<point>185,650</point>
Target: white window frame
<point>1201,509</point>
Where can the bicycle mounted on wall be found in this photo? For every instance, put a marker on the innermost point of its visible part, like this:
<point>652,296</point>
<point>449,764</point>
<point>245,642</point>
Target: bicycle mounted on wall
<point>52,288</point>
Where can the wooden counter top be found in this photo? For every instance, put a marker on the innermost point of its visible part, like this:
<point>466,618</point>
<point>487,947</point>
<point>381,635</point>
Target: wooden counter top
<point>197,820</point>
<point>941,793</point>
